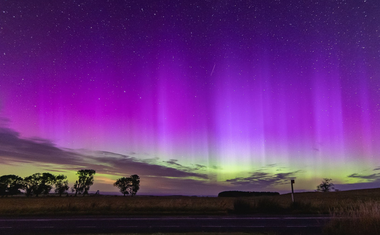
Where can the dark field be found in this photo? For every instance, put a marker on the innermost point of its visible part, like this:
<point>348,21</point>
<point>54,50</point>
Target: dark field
<point>334,203</point>
<point>352,212</point>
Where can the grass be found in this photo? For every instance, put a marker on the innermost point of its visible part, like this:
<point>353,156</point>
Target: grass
<point>359,218</point>
<point>335,203</point>
<point>353,212</point>
<point>306,203</point>
<point>113,205</point>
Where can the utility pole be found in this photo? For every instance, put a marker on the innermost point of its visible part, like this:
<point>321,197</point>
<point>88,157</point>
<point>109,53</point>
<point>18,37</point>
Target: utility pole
<point>292,182</point>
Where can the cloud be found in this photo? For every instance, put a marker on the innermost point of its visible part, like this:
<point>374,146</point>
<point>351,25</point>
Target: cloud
<point>38,151</point>
<point>199,166</point>
<point>177,186</point>
<point>125,165</point>
<point>367,181</point>
<point>371,177</point>
<point>174,162</point>
<point>263,179</point>
<point>15,149</point>
<point>365,185</point>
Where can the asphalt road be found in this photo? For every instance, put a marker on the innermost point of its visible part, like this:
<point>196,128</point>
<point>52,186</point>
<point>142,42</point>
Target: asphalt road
<point>70,225</point>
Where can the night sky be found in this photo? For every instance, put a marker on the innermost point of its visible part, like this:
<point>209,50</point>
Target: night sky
<point>195,97</point>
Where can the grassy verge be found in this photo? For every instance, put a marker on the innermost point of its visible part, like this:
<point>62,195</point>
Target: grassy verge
<point>308,203</point>
<point>272,206</point>
<point>356,219</point>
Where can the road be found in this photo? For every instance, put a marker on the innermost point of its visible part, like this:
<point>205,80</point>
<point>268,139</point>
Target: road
<point>77,225</point>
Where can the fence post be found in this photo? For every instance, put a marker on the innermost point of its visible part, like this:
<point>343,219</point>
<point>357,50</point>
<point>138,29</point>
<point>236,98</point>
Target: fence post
<point>292,182</point>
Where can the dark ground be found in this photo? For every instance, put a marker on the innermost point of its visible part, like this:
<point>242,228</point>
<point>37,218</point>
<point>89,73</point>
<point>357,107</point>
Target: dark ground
<point>94,225</point>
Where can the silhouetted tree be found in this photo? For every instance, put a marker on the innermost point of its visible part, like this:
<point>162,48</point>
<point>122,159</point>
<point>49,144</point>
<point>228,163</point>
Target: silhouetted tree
<point>30,184</point>
<point>10,185</point>
<point>76,188</point>
<point>85,180</point>
<point>325,186</point>
<point>128,185</point>
<point>135,184</point>
<point>123,184</point>
<point>61,185</point>
<point>48,180</point>
<point>39,183</point>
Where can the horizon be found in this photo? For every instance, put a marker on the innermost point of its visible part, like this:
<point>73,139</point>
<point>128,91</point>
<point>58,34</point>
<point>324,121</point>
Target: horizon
<point>113,193</point>
<point>194,97</point>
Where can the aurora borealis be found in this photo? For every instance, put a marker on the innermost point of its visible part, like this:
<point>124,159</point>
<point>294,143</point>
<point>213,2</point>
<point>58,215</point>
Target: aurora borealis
<point>195,97</point>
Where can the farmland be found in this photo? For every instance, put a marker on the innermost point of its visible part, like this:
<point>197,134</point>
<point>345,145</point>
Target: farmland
<point>306,203</point>
<point>352,212</point>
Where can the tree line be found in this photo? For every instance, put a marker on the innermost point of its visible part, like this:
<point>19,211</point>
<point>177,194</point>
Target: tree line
<point>42,183</point>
